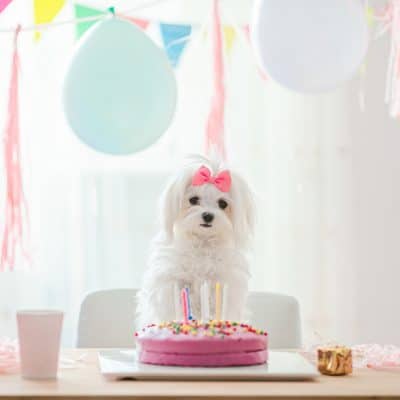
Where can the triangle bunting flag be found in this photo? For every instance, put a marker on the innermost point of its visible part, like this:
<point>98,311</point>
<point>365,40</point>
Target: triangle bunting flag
<point>44,11</point>
<point>82,11</point>
<point>4,4</point>
<point>229,37</point>
<point>175,38</point>
<point>141,23</point>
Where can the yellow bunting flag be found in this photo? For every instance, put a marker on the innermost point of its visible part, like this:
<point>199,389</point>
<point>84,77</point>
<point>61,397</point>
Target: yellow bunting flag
<point>45,11</point>
<point>370,15</point>
<point>229,37</point>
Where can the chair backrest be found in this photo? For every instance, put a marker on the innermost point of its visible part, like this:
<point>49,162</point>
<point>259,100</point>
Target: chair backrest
<point>106,319</point>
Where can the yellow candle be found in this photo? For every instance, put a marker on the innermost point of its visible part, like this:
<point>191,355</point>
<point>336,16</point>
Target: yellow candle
<point>217,301</point>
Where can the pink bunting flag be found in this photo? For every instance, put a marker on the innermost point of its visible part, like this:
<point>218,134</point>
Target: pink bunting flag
<point>16,212</point>
<point>141,23</point>
<point>4,4</point>
<point>215,123</point>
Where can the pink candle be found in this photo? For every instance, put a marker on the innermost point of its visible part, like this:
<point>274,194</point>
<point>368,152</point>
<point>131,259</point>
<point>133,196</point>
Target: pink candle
<point>184,304</point>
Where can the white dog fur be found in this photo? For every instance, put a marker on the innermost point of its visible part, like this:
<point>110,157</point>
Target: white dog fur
<point>185,253</point>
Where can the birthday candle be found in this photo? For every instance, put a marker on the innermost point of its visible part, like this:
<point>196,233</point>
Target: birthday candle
<point>225,309</point>
<point>177,309</point>
<point>190,316</point>
<point>205,301</point>
<point>218,301</point>
<point>184,305</point>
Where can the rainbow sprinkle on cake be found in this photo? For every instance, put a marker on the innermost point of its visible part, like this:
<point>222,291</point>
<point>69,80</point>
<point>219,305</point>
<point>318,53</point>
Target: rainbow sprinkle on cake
<point>209,328</point>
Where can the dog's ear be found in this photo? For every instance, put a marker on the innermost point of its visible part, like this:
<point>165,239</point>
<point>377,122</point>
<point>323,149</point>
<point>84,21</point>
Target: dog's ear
<point>169,208</point>
<point>171,202</point>
<point>243,210</point>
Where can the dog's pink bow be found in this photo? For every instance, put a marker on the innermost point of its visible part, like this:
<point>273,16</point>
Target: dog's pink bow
<point>221,181</point>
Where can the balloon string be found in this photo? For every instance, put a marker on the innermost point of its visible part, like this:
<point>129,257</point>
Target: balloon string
<point>15,205</point>
<point>215,122</point>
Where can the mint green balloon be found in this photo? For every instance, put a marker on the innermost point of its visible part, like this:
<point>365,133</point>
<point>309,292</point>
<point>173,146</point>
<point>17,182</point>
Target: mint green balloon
<point>119,90</point>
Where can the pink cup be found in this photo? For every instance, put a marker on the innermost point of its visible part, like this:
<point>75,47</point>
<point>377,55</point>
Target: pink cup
<point>39,334</point>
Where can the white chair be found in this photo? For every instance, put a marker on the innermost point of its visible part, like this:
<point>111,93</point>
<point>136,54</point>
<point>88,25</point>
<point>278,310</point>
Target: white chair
<point>106,319</point>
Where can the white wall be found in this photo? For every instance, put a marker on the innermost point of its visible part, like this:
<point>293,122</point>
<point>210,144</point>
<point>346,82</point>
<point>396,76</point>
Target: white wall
<point>376,212</point>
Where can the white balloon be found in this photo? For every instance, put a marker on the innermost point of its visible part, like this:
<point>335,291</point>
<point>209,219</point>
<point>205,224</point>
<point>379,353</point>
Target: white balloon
<point>310,45</point>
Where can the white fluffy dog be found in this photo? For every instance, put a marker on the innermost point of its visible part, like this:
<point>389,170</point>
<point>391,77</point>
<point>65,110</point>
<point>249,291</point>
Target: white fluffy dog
<point>207,221</point>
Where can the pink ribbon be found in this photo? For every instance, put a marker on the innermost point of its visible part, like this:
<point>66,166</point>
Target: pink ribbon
<point>377,356</point>
<point>9,356</point>
<point>221,181</point>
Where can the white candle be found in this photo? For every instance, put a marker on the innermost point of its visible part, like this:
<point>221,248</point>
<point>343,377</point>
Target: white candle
<point>225,305</point>
<point>205,301</point>
<point>177,303</point>
<point>218,307</point>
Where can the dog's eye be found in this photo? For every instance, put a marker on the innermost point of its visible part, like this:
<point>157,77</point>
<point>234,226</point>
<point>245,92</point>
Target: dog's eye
<point>194,200</point>
<point>222,204</point>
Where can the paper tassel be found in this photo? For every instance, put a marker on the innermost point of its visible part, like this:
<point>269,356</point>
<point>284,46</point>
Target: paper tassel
<point>261,72</point>
<point>175,38</point>
<point>4,4</point>
<point>141,23</point>
<point>16,220</point>
<point>215,123</point>
<point>45,11</point>
<point>391,19</point>
<point>82,11</point>
<point>229,38</point>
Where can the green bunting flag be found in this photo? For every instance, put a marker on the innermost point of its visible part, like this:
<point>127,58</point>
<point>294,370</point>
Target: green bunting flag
<point>82,11</point>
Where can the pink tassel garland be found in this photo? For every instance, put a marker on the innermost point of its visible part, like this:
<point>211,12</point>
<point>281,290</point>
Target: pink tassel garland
<point>15,205</point>
<point>215,122</point>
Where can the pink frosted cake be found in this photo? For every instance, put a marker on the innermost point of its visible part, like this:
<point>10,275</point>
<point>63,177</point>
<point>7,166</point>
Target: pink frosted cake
<point>199,344</point>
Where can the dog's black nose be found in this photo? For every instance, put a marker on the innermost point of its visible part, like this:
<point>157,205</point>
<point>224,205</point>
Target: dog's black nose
<point>207,217</point>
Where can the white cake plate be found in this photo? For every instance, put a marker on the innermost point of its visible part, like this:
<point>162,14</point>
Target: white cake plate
<point>122,364</point>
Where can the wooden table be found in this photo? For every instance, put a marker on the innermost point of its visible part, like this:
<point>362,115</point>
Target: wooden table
<point>86,382</point>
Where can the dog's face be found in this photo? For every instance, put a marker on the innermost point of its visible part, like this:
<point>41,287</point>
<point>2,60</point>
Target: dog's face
<point>205,212</point>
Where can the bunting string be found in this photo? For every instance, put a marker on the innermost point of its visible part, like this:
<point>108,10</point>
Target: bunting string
<point>104,14</point>
<point>175,36</point>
